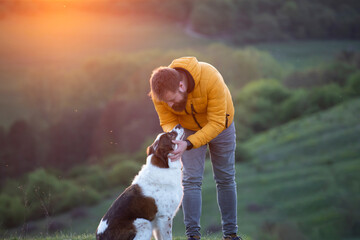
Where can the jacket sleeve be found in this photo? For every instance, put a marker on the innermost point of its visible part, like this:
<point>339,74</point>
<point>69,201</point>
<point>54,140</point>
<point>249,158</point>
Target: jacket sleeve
<point>168,120</point>
<point>216,113</point>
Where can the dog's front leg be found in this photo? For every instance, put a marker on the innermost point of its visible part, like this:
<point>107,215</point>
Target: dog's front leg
<point>156,233</point>
<point>164,228</point>
<point>143,229</point>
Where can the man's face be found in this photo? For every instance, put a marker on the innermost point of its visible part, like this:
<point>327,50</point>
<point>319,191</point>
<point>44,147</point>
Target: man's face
<point>176,100</point>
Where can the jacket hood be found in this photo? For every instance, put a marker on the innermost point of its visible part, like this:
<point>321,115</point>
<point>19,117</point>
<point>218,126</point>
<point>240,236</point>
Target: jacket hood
<point>190,64</point>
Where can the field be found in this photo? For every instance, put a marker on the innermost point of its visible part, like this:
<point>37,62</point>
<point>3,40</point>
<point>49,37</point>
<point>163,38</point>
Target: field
<point>299,55</point>
<point>302,181</point>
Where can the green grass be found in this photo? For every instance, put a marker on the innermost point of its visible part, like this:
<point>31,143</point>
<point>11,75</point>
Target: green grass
<point>84,237</point>
<point>59,237</point>
<point>307,171</point>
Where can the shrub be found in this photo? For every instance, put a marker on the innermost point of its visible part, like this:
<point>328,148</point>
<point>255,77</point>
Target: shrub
<point>47,195</point>
<point>295,106</point>
<point>93,176</point>
<point>40,191</point>
<point>269,89</point>
<point>322,98</point>
<point>258,103</point>
<point>338,72</point>
<point>76,196</point>
<point>123,173</point>
<point>352,87</point>
<point>242,154</point>
<point>12,211</point>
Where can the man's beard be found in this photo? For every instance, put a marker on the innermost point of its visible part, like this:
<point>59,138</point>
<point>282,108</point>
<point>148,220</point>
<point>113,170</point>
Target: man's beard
<point>180,106</point>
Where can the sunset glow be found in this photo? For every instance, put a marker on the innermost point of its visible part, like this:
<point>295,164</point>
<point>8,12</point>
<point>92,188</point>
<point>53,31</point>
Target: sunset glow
<point>63,32</point>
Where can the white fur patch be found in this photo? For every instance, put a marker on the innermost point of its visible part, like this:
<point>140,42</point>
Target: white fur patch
<point>180,133</point>
<point>162,184</point>
<point>102,226</point>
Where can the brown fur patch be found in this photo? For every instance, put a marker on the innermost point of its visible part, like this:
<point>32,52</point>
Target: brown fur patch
<point>161,148</point>
<point>130,205</point>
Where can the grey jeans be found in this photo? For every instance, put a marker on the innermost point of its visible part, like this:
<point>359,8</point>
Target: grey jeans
<point>222,154</point>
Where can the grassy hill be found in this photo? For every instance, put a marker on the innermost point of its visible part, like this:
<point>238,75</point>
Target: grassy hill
<point>303,183</point>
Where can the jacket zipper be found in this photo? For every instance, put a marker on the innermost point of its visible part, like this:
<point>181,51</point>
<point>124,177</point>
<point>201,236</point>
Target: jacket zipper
<point>227,120</point>
<point>193,115</point>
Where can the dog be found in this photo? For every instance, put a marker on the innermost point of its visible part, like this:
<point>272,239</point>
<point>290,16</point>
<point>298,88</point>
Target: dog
<point>150,203</point>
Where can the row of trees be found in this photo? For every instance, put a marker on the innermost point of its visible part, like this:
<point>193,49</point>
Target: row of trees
<point>78,137</point>
<point>261,20</point>
<point>240,21</point>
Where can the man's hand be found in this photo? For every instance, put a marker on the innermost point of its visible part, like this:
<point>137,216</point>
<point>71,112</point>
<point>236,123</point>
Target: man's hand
<point>176,154</point>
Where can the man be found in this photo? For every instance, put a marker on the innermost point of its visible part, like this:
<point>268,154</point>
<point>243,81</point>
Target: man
<point>194,94</point>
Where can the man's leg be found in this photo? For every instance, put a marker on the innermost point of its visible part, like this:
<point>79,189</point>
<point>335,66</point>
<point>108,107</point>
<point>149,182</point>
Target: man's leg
<point>222,152</point>
<point>193,170</point>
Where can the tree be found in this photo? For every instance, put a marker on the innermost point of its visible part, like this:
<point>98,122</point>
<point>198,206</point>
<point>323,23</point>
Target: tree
<point>19,152</point>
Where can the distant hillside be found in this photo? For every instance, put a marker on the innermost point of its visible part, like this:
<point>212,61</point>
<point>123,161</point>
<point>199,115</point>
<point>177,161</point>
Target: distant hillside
<point>303,182</point>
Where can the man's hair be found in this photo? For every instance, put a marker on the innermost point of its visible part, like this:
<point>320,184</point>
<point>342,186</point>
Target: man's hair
<point>162,80</point>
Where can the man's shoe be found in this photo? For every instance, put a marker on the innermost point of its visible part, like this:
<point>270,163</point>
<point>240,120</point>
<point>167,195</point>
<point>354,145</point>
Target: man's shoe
<point>194,238</point>
<point>231,237</point>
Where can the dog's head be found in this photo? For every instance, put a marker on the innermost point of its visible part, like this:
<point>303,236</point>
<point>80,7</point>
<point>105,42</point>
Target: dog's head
<point>163,145</point>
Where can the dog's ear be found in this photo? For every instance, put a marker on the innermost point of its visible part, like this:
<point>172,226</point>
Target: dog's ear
<point>150,150</point>
<point>159,157</point>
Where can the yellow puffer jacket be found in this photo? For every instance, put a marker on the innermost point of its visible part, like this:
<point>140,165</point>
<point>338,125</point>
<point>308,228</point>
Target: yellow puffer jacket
<point>209,108</point>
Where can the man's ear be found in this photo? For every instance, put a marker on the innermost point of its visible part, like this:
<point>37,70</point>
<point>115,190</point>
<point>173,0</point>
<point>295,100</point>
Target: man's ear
<point>182,86</point>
